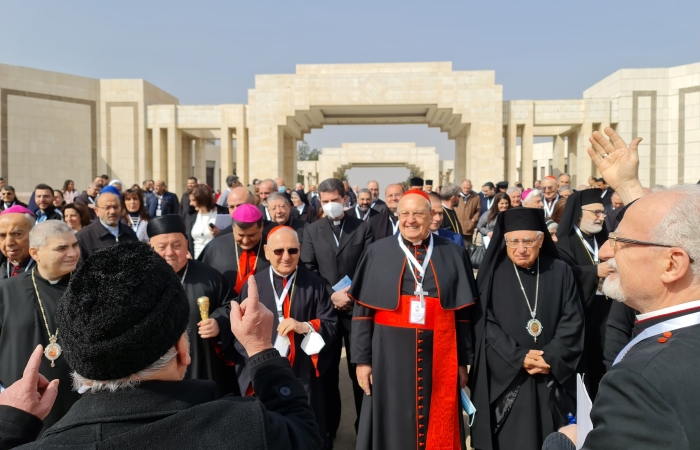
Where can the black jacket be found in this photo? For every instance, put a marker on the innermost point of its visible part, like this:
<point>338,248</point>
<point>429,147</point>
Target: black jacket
<point>86,201</point>
<point>95,236</point>
<point>15,203</point>
<point>181,414</point>
<point>51,213</point>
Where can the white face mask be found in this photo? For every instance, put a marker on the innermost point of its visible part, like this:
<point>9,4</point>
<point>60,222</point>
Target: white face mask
<point>333,210</point>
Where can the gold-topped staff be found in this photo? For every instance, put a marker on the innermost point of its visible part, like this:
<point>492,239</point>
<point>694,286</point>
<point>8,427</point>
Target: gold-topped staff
<point>203,303</point>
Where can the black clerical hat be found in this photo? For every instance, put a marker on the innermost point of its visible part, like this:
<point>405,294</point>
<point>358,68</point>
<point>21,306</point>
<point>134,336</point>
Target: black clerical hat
<point>502,185</point>
<point>124,309</point>
<point>428,182</point>
<point>415,181</point>
<point>169,223</point>
<point>572,213</point>
<point>517,219</point>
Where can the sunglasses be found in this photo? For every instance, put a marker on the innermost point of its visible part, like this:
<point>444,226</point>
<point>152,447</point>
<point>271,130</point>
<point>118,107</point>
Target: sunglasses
<point>290,251</point>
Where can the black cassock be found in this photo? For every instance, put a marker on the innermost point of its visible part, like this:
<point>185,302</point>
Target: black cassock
<point>398,414</point>
<point>595,307</point>
<point>220,254</point>
<point>207,355</point>
<point>22,328</point>
<point>450,221</point>
<point>307,301</point>
<point>506,397</point>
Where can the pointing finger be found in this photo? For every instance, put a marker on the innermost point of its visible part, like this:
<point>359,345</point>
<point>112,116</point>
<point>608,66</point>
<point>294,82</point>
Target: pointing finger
<point>31,371</point>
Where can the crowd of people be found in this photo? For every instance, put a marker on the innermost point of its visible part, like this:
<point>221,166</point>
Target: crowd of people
<point>130,318</point>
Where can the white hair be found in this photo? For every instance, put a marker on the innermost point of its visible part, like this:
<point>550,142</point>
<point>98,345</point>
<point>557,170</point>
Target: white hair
<point>679,226</point>
<point>512,189</point>
<point>82,384</point>
<point>533,193</point>
<point>41,233</point>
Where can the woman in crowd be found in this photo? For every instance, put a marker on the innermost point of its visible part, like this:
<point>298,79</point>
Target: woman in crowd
<point>134,213</point>
<point>487,221</point>
<point>58,199</point>
<point>69,192</point>
<point>201,224</point>
<point>307,212</point>
<point>76,215</point>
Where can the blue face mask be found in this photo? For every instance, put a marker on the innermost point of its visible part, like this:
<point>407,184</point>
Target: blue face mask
<point>468,406</point>
<point>283,189</point>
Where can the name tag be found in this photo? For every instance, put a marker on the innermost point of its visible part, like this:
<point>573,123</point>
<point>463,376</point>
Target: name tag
<point>159,213</point>
<point>417,312</point>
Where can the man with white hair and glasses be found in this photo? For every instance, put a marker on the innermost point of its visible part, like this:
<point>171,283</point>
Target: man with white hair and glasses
<point>650,398</point>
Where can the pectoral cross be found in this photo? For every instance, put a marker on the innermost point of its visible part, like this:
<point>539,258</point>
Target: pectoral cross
<point>421,294</point>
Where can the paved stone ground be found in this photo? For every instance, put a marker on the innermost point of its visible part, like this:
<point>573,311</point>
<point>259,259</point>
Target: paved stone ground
<point>346,439</point>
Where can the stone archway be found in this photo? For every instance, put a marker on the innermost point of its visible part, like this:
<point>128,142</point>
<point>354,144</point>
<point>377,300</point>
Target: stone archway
<point>467,105</point>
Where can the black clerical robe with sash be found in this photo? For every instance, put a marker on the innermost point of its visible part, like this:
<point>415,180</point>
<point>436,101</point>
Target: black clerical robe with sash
<point>307,300</point>
<point>234,263</point>
<point>415,391</point>
<point>450,221</point>
<point>514,409</point>
<point>22,328</point>
<point>596,306</point>
<point>208,360</point>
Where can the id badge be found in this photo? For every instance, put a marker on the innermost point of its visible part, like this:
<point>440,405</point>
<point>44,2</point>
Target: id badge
<point>417,312</point>
<point>159,212</point>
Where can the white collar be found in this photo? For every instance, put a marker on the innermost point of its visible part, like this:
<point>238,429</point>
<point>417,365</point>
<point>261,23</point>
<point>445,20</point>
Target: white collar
<point>280,275</point>
<point>669,310</point>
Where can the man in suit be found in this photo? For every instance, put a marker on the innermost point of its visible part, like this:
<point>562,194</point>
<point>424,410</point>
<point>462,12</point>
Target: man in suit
<point>161,202</point>
<point>351,197</point>
<point>612,210</point>
<point>488,190</point>
<point>332,248</point>
<point>377,204</point>
<point>650,398</point>
<point>9,198</point>
<point>363,210</point>
<point>450,196</point>
<point>437,214</point>
<point>184,207</point>
<point>606,198</point>
<point>387,223</point>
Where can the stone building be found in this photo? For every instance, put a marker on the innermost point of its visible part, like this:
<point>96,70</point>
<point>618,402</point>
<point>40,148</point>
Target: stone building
<point>55,126</point>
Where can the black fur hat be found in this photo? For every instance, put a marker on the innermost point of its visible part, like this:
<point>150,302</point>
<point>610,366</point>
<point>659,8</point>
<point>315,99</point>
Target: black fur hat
<point>124,308</point>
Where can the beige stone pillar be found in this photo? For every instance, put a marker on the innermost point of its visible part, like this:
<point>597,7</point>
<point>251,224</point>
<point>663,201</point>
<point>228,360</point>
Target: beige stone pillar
<point>289,168</point>
<point>584,163</point>
<point>242,154</point>
<point>558,156</point>
<point>160,154</point>
<point>226,156</point>
<point>200,161</point>
<point>175,179</point>
<point>511,150</point>
<point>573,158</point>
<point>461,150</point>
<point>526,143</point>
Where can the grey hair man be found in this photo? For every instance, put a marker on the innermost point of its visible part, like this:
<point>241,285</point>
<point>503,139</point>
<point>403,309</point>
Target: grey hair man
<point>533,199</point>
<point>515,194</point>
<point>144,307</point>
<point>565,191</point>
<point>28,304</point>
<point>363,209</point>
<point>449,194</point>
<point>15,224</point>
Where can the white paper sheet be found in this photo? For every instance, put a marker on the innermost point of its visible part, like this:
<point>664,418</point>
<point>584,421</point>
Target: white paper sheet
<point>282,345</point>
<point>583,412</point>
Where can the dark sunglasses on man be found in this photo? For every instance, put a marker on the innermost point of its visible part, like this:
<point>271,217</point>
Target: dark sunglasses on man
<point>280,251</point>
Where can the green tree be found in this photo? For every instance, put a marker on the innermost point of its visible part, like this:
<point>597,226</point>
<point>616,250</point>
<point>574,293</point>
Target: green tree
<point>305,153</point>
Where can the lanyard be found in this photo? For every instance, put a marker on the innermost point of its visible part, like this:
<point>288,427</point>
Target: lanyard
<point>92,200</point>
<point>449,218</point>
<point>135,223</point>
<point>413,263</point>
<point>668,325</point>
<point>603,194</point>
<point>279,300</point>
<point>267,214</point>
<point>238,262</point>
<point>550,210</point>
<point>359,215</point>
<point>182,280</point>
<point>394,226</point>
<point>337,242</point>
<point>593,252</point>
<point>489,203</point>
<point>29,264</point>
<point>160,199</point>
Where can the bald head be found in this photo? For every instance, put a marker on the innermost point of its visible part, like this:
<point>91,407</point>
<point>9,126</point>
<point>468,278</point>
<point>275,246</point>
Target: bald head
<point>616,201</point>
<point>283,236</point>
<point>238,196</point>
<point>282,250</point>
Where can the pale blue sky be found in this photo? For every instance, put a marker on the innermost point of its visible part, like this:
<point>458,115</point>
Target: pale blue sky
<point>207,52</point>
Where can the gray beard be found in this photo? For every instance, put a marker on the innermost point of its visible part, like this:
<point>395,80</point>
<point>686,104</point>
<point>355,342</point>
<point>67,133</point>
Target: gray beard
<point>590,227</point>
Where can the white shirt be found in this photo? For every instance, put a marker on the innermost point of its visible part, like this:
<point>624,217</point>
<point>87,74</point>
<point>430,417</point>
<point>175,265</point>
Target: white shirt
<point>201,233</point>
<point>669,310</point>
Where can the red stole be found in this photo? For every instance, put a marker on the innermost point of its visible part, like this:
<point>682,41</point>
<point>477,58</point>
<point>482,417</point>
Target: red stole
<point>246,268</point>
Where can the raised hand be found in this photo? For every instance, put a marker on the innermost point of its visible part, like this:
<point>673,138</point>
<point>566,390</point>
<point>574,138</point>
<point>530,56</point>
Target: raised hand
<point>32,393</point>
<point>618,163</point>
<point>251,321</point>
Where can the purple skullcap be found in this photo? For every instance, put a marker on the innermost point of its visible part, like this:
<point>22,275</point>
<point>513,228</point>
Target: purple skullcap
<point>17,209</point>
<point>246,214</point>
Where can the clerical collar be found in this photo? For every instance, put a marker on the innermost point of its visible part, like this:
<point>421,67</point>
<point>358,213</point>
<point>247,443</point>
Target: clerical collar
<point>65,277</point>
<point>279,275</point>
<point>113,230</point>
<point>670,310</point>
<point>424,242</point>
<point>337,223</point>
<point>447,207</point>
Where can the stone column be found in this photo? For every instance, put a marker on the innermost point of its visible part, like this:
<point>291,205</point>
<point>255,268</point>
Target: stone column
<point>200,161</point>
<point>226,157</point>
<point>242,154</point>
<point>461,150</point>
<point>584,163</point>
<point>160,154</point>
<point>558,156</point>
<point>573,158</point>
<point>527,141</point>
<point>175,179</point>
<point>289,158</point>
<point>511,150</point>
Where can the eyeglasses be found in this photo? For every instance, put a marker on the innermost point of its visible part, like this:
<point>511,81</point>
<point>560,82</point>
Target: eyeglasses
<point>597,212</point>
<point>515,243</point>
<point>416,214</point>
<point>394,195</point>
<point>548,188</point>
<point>290,251</point>
<point>614,238</point>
